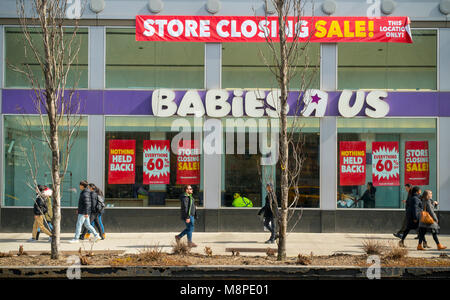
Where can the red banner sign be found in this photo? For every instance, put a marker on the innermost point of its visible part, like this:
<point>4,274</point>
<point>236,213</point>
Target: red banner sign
<point>417,167</point>
<point>221,29</point>
<point>156,166</point>
<point>385,164</point>
<point>352,163</point>
<point>122,154</point>
<point>188,162</point>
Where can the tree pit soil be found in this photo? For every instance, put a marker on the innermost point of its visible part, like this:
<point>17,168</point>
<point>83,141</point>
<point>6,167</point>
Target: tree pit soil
<point>166,259</point>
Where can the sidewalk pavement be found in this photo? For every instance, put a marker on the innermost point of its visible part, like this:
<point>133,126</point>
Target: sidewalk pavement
<point>304,243</point>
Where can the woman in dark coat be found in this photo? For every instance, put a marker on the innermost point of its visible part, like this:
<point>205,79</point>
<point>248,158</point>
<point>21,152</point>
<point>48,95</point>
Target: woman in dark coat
<point>434,227</point>
<point>369,196</point>
<point>269,221</point>
<point>413,209</point>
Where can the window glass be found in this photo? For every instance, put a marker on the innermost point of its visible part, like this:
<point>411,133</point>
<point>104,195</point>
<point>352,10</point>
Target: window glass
<point>390,65</point>
<point>18,55</point>
<point>385,130</point>
<point>245,65</point>
<point>149,128</point>
<point>244,175</point>
<point>132,64</point>
<point>22,135</point>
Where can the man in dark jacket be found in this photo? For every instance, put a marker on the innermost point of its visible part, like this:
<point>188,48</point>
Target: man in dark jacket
<point>84,210</point>
<point>94,213</point>
<point>188,214</point>
<point>269,221</point>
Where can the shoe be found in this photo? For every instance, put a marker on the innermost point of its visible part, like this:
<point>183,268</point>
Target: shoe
<point>31,240</point>
<point>419,247</point>
<point>74,241</point>
<point>95,238</point>
<point>86,236</point>
<point>192,245</point>
<point>103,236</point>
<point>401,244</point>
<point>177,238</point>
<point>398,235</point>
<point>269,242</point>
<point>441,247</point>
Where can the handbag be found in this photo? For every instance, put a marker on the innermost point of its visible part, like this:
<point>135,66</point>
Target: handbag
<point>425,217</point>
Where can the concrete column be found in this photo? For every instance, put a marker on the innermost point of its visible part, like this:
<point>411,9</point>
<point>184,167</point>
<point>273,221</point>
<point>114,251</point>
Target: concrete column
<point>443,164</point>
<point>212,170</point>
<point>96,67</point>
<point>444,59</point>
<point>2,157</point>
<point>443,160</point>
<point>328,66</point>
<point>96,151</point>
<point>328,163</point>
<point>328,130</point>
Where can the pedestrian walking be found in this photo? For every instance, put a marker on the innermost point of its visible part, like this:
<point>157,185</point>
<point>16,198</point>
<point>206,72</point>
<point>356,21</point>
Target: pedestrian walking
<point>39,210</point>
<point>188,215</point>
<point>431,225</point>
<point>398,234</point>
<point>48,216</point>
<point>414,207</point>
<point>101,209</point>
<point>95,211</point>
<point>84,210</point>
<point>267,209</point>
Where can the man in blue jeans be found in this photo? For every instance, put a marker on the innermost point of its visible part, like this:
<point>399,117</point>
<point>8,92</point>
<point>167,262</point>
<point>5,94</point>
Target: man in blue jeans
<point>84,210</point>
<point>188,214</point>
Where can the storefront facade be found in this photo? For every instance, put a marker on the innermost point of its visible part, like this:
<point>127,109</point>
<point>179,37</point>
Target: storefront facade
<point>372,99</point>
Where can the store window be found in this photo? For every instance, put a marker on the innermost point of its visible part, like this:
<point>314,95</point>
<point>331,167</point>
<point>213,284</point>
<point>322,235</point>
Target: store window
<point>245,65</point>
<point>388,153</point>
<point>131,64</point>
<point>24,146</point>
<point>143,172</point>
<point>16,54</point>
<point>390,65</point>
<point>244,175</point>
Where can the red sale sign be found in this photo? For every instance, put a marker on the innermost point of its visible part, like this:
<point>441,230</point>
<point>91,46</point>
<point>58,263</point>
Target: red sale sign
<point>122,154</point>
<point>156,166</point>
<point>417,166</point>
<point>352,163</point>
<point>188,162</point>
<point>221,29</point>
<point>385,164</point>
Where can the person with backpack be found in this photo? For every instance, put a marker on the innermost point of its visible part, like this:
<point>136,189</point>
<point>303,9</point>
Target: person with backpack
<point>84,210</point>
<point>39,210</point>
<point>47,196</point>
<point>101,209</point>
<point>96,209</point>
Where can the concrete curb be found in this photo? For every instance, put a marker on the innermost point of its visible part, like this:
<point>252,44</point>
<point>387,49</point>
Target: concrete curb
<point>222,272</point>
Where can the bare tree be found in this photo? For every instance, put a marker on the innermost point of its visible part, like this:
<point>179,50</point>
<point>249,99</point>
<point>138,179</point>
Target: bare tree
<point>54,50</point>
<point>290,63</point>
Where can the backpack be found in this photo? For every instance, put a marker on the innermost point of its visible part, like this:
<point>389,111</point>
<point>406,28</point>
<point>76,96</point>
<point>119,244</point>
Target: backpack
<point>100,204</point>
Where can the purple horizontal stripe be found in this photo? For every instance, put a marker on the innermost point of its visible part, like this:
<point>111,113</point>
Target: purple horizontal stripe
<point>132,102</point>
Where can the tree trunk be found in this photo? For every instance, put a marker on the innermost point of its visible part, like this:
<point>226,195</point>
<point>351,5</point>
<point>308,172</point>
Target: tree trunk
<point>284,150</point>
<point>54,142</point>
